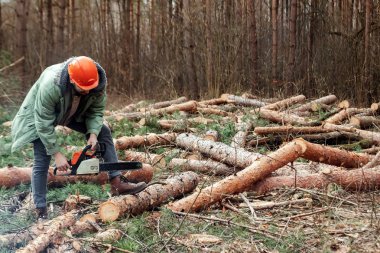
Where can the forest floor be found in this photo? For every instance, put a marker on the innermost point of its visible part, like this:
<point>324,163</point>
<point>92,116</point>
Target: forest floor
<point>334,220</point>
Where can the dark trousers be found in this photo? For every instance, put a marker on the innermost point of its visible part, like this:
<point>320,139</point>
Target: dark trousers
<point>42,161</point>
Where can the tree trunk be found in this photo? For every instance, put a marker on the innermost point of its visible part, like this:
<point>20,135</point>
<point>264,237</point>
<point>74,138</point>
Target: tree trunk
<point>243,101</point>
<point>241,181</point>
<point>285,103</point>
<point>371,136</point>
<point>346,114</point>
<point>274,41</point>
<point>281,117</point>
<point>323,100</point>
<point>365,121</point>
<point>50,46</point>
<point>218,151</point>
<point>22,14</point>
<point>151,197</point>
<point>209,167</point>
<point>147,140</point>
<point>212,88</point>
<point>354,180</point>
<point>61,29</point>
<point>292,41</point>
<point>42,241</point>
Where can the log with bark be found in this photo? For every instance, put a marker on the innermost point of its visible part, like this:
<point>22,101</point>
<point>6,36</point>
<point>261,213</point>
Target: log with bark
<point>346,114</point>
<point>146,140</point>
<point>290,130</point>
<point>209,166</point>
<point>145,174</point>
<point>183,124</point>
<point>243,101</point>
<point>241,181</point>
<point>281,117</point>
<point>323,100</point>
<point>353,180</point>
<point>214,101</point>
<point>162,104</point>
<point>151,197</point>
<point>157,161</point>
<point>213,111</point>
<point>369,135</point>
<point>365,121</point>
<point>240,138</point>
<point>218,151</point>
<point>211,135</point>
<point>39,243</point>
<point>285,103</point>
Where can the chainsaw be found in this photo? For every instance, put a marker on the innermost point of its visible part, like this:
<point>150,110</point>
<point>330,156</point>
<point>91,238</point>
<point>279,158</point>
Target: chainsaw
<point>90,162</point>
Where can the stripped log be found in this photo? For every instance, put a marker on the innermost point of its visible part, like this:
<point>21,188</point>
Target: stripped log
<point>365,121</point>
<point>151,197</point>
<point>189,106</point>
<point>285,103</point>
<point>242,101</point>
<point>346,114</point>
<point>323,100</point>
<point>42,241</point>
<point>354,180</point>
<point>218,151</point>
<point>369,135</point>
<point>241,181</point>
<point>209,167</point>
<point>155,160</point>
<point>240,138</point>
<point>126,142</point>
<point>282,118</point>
<point>290,130</point>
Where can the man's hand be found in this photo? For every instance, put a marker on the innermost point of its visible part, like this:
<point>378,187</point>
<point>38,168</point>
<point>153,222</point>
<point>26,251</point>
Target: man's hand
<point>61,162</point>
<point>93,140</point>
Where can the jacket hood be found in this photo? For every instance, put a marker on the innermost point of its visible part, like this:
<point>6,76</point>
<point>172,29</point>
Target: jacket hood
<point>63,78</point>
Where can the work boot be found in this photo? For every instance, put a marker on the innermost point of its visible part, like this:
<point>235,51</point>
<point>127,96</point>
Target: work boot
<point>42,213</point>
<point>120,186</point>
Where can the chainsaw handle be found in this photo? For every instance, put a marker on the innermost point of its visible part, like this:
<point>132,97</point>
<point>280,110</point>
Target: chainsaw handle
<point>55,167</point>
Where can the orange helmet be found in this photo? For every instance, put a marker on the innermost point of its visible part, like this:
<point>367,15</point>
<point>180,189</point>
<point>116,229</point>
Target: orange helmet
<point>84,73</point>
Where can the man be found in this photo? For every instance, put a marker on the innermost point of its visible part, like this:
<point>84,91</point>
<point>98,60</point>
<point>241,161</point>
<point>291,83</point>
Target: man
<point>70,94</point>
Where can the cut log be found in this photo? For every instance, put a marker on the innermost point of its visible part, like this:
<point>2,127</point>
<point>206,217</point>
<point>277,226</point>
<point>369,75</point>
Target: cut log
<point>282,118</point>
<point>218,151</point>
<point>260,205</point>
<point>189,106</point>
<point>285,103</point>
<point>372,150</point>
<point>344,104</point>
<point>13,176</point>
<point>42,241</point>
<point>151,197</point>
<point>290,130</point>
<point>242,101</point>
<point>365,121</point>
<point>240,138</point>
<point>369,135</point>
<point>346,114</point>
<point>145,174</point>
<point>323,100</point>
<point>162,104</point>
<point>375,107</point>
<point>74,201</point>
<point>207,110</point>
<point>147,140</point>
<point>209,167</point>
<point>265,100</point>
<point>241,181</point>
<point>111,235</point>
<point>157,161</point>
<point>215,101</point>
<point>334,156</point>
<point>354,180</point>
<point>211,135</point>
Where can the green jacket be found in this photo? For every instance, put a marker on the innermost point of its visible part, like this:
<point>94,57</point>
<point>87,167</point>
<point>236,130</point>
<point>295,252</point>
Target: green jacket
<point>49,101</point>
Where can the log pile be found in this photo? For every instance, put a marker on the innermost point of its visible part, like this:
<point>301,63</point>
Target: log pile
<point>265,137</point>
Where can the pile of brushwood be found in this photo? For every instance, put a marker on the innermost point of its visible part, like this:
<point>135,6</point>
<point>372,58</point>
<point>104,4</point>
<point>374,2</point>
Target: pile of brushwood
<point>230,174</point>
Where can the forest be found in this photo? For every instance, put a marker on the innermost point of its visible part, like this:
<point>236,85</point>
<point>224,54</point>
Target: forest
<point>200,48</point>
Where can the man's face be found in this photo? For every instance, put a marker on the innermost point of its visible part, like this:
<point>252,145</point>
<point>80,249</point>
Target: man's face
<point>80,91</point>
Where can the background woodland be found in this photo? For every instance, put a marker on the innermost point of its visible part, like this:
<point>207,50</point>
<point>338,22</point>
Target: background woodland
<point>202,48</point>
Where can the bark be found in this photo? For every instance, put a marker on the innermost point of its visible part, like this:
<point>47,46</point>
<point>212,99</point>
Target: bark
<point>189,106</point>
<point>253,44</point>
<point>365,121</point>
<point>371,136</point>
<point>208,167</point>
<point>282,117</point>
<point>323,100</point>
<point>168,103</point>
<point>145,174</point>
<point>240,138</point>
<point>74,201</point>
<point>274,38</point>
<point>218,151</point>
<point>292,41</point>
<point>241,181</point>
<point>290,130</point>
<point>147,140</point>
<point>42,241</point>
<point>13,176</point>
<point>346,114</point>
<point>353,180</point>
<point>145,157</point>
<point>285,103</point>
<point>242,101</point>
<point>151,197</point>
